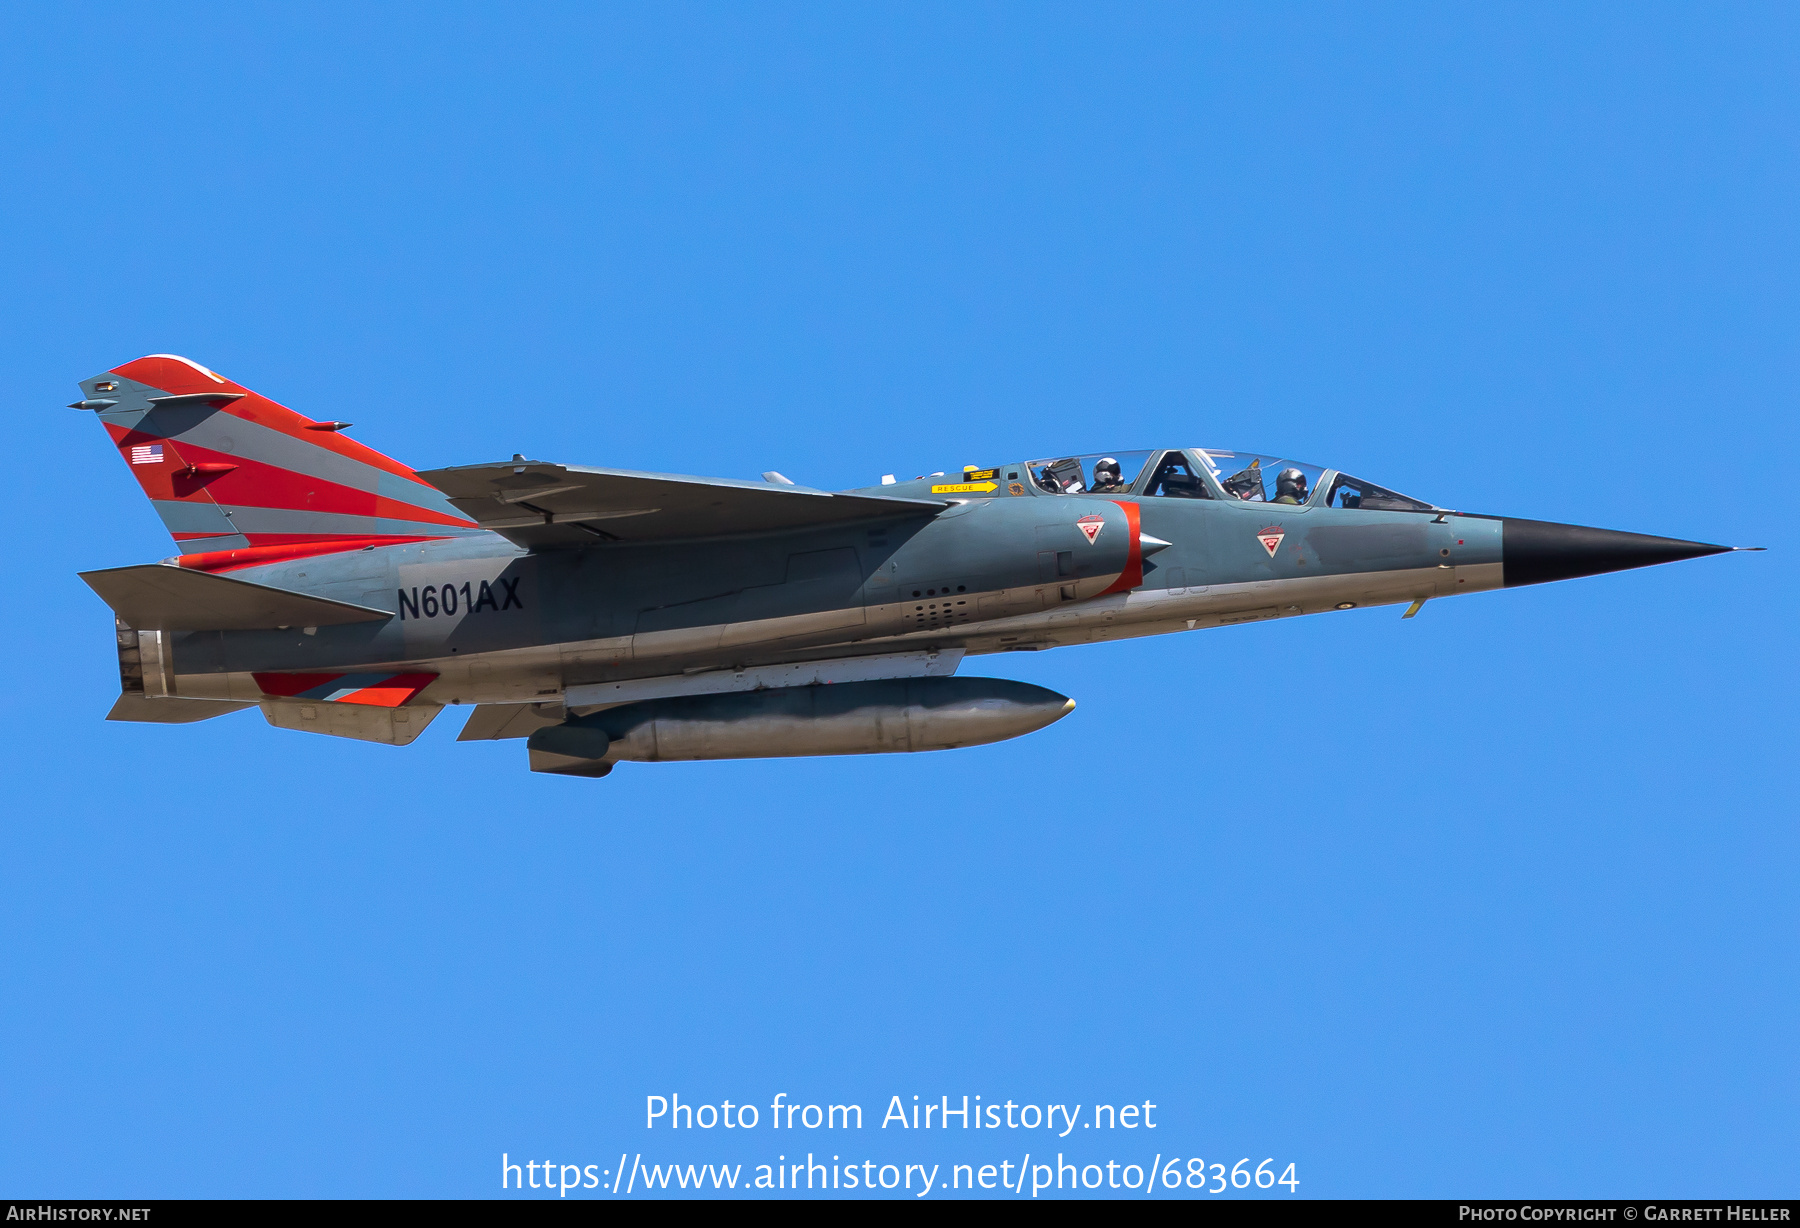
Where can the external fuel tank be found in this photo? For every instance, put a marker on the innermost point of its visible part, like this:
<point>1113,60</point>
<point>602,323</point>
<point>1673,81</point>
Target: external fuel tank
<point>852,718</point>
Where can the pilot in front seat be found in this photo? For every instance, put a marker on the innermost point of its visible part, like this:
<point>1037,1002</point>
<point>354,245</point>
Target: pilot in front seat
<point>1290,486</point>
<point>1108,478</point>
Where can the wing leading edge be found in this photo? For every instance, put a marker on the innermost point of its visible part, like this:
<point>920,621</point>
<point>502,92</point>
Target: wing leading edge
<point>537,504</point>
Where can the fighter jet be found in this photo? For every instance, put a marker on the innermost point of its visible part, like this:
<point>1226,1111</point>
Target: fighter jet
<point>608,615</point>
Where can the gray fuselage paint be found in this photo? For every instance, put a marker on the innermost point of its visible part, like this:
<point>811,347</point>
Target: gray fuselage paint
<point>499,623</point>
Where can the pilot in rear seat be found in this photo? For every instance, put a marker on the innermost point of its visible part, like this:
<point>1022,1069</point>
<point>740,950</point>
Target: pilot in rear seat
<point>1290,486</point>
<point>1108,478</point>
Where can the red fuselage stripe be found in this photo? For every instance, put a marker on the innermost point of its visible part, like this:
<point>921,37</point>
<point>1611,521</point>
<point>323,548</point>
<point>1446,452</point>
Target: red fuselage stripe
<point>1133,575</point>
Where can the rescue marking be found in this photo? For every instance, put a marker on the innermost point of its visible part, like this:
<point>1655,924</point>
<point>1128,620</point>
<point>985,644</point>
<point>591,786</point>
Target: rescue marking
<point>146,454</point>
<point>1090,527</point>
<point>1270,538</point>
<point>965,488</point>
<point>447,599</point>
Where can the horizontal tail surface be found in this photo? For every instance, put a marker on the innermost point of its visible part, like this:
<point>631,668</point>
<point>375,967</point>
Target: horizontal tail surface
<point>152,597</point>
<point>240,480</point>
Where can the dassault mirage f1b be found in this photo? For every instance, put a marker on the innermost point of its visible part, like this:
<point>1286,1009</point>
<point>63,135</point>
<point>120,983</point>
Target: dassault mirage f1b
<point>607,615</point>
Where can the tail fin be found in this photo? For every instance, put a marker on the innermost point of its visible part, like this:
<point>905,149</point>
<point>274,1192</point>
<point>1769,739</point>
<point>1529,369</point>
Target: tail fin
<point>240,480</point>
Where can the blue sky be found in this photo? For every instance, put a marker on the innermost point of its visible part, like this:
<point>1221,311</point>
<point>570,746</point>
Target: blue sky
<point>1496,901</point>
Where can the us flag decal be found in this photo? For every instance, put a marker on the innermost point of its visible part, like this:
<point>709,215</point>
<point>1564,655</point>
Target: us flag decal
<point>146,454</point>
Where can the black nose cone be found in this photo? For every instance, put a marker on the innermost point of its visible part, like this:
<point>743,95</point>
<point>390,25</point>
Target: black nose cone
<point>1534,551</point>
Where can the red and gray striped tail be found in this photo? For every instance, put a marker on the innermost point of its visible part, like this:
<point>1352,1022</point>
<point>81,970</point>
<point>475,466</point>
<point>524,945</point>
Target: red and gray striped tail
<point>240,480</point>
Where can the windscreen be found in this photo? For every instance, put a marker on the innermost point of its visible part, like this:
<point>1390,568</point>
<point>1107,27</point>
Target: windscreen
<point>1350,492</point>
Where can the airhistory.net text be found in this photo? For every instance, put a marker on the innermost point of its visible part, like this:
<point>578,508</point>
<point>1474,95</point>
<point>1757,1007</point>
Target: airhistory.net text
<point>671,1112</point>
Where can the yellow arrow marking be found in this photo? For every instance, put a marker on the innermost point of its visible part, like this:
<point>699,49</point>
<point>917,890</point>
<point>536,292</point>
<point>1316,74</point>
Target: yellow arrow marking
<point>965,488</point>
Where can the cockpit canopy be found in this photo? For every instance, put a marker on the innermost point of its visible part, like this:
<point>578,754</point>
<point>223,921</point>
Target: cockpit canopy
<point>1076,475</point>
<point>1254,477</point>
<point>1260,478</point>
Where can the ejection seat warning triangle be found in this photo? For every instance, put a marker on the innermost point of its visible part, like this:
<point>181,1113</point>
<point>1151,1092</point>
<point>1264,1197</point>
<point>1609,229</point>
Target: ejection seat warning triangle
<point>1090,527</point>
<point>1270,539</point>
